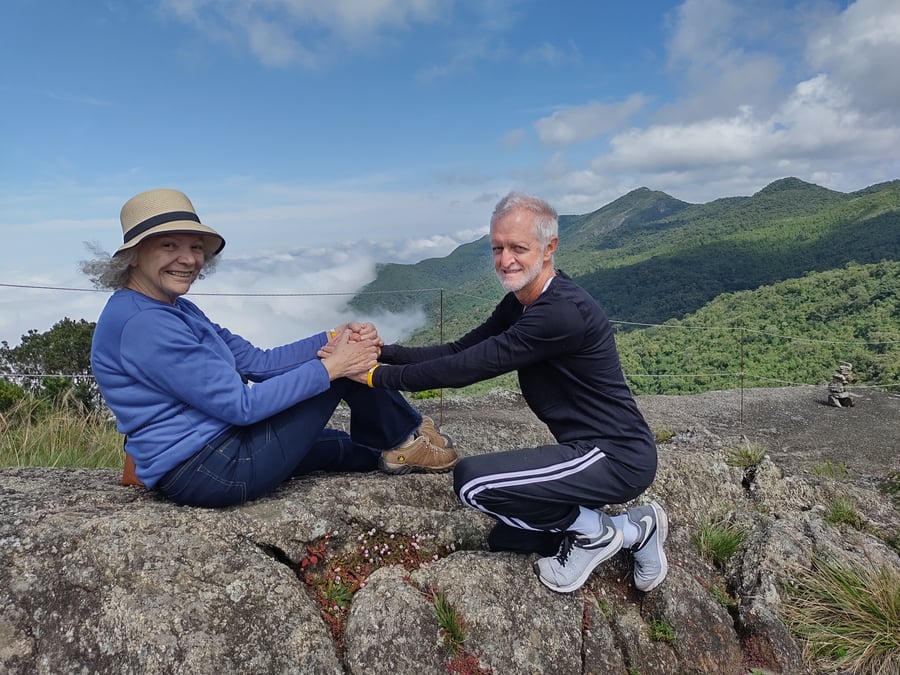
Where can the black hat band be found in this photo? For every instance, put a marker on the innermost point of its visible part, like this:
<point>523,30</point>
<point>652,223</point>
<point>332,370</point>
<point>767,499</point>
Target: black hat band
<point>160,219</point>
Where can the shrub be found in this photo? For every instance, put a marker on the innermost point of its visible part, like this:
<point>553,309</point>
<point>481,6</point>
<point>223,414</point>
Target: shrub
<point>10,394</point>
<point>891,487</point>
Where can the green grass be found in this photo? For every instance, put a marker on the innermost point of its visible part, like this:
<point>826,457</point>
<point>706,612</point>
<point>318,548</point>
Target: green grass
<point>849,617</point>
<point>891,487</point>
<point>746,455</point>
<point>843,510</point>
<point>336,593</point>
<point>661,631</point>
<point>718,539</point>
<point>720,593</point>
<point>661,434</point>
<point>453,628</point>
<point>831,470</point>
<point>34,433</point>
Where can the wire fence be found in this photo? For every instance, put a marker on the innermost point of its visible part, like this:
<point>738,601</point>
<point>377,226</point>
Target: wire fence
<point>738,376</point>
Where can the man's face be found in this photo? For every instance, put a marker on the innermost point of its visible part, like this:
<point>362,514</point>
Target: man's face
<point>518,254</point>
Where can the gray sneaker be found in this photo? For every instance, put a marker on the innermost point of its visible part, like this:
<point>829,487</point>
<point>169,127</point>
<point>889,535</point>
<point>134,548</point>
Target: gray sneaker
<point>577,557</point>
<point>650,564</point>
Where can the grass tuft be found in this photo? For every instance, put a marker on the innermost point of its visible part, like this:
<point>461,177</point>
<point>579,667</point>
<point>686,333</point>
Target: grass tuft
<point>661,434</point>
<point>453,632</point>
<point>843,510</point>
<point>718,539</point>
<point>746,455</point>
<point>453,628</point>
<point>849,617</point>
<point>722,596</point>
<point>661,631</point>
<point>890,486</point>
<point>829,469</point>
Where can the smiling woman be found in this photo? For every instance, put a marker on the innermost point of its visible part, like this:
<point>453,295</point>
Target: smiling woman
<point>166,265</point>
<point>180,385</point>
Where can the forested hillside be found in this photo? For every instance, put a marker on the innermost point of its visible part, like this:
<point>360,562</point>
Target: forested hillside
<point>649,258</point>
<point>666,269</point>
<point>792,332</point>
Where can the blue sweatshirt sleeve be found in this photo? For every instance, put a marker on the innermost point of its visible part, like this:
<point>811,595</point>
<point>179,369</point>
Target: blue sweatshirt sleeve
<point>260,364</point>
<point>191,361</point>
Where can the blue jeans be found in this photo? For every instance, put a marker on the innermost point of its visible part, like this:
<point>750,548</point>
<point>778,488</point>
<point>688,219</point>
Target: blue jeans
<point>245,463</point>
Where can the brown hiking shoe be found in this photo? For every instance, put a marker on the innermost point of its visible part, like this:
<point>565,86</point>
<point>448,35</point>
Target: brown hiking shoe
<point>420,456</point>
<point>429,430</point>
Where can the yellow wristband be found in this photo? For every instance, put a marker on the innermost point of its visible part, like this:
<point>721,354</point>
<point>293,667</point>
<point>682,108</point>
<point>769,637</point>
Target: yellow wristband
<point>369,375</point>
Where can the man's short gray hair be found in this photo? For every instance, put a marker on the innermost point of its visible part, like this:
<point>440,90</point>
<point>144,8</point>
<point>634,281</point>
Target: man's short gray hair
<point>546,222</point>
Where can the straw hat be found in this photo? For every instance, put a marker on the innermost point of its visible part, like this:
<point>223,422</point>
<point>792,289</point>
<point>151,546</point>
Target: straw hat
<point>160,211</point>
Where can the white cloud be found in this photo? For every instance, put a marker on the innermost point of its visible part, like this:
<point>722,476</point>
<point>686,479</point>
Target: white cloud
<point>748,110</point>
<point>716,57</point>
<point>269,299</point>
<point>301,32</point>
<point>274,299</point>
<point>579,123</point>
<point>513,138</point>
<point>548,54</point>
<point>860,49</point>
<point>668,146</point>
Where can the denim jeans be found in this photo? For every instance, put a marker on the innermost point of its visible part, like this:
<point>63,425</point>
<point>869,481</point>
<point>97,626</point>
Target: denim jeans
<point>244,463</point>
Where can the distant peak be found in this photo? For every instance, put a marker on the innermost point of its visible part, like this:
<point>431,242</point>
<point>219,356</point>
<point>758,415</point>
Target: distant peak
<point>784,185</point>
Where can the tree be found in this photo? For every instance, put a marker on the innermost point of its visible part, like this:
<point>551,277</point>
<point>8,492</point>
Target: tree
<point>55,364</point>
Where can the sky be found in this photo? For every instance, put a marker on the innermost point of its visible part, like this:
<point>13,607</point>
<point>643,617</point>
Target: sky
<point>323,138</point>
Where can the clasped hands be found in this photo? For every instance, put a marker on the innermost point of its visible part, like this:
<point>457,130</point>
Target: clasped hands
<point>352,351</point>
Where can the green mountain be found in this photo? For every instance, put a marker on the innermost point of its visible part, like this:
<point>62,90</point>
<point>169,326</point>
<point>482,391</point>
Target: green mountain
<point>649,258</point>
<point>793,332</point>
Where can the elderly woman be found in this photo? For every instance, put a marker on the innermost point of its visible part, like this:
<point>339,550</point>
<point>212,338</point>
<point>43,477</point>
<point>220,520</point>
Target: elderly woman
<point>179,384</point>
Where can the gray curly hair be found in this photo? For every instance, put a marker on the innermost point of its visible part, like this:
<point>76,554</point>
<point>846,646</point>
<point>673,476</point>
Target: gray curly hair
<point>111,272</point>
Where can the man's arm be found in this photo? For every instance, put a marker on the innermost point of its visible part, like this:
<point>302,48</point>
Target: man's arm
<point>544,331</point>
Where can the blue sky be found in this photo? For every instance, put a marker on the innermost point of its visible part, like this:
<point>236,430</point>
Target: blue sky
<point>323,137</point>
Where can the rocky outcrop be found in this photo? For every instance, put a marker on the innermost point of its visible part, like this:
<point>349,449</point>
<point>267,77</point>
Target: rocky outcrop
<point>342,573</point>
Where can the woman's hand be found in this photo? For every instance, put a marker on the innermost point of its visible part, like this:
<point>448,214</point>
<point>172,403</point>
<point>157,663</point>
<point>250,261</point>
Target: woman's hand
<point>359,332</point>
<point>345,357</point>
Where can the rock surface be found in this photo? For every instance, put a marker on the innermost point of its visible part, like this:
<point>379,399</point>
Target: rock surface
<point>99,578</point>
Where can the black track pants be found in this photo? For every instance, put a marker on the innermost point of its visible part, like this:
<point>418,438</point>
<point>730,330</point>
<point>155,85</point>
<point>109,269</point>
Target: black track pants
<point>541,488</point>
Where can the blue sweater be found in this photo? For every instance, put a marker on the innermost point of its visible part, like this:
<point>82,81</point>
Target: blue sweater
<point>175,380</point>
<point>569,371</point>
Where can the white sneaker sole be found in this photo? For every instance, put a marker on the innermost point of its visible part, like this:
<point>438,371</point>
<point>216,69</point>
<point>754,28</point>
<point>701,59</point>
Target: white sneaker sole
<point>604,554</point>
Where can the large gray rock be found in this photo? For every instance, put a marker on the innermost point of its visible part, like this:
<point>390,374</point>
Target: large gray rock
<point>99,578</point>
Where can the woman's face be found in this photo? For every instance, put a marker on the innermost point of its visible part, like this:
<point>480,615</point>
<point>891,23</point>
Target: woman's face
<point>166,265</point>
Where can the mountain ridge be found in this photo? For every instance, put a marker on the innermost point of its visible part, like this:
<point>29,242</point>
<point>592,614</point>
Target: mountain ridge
<point>648,258</point>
